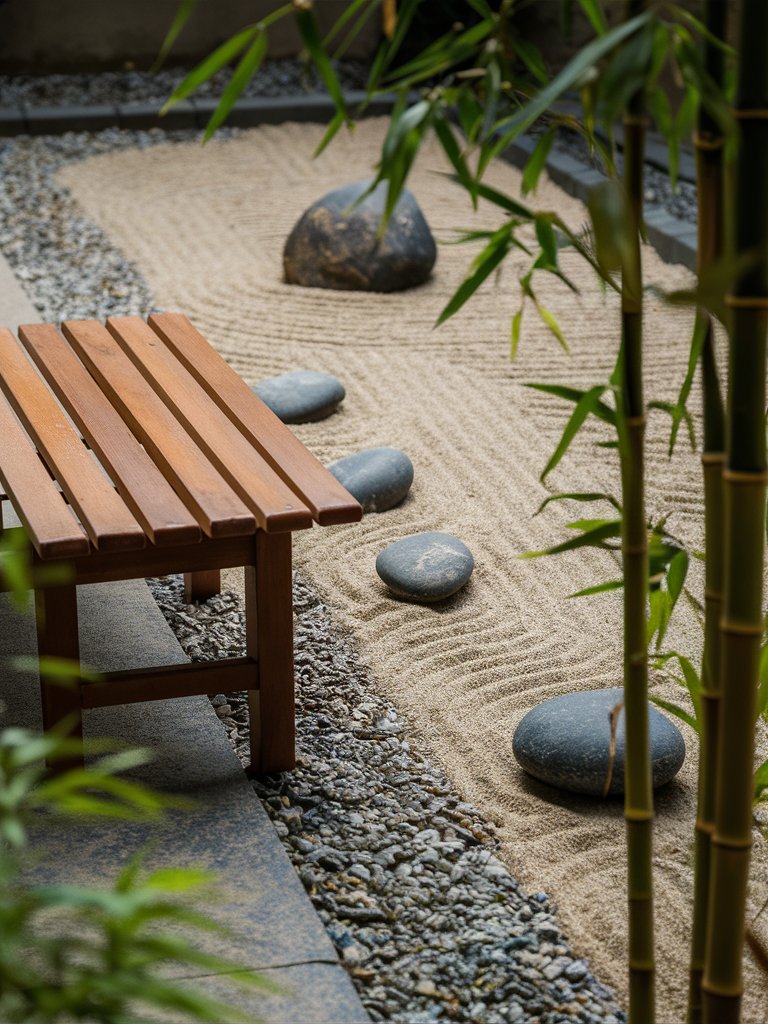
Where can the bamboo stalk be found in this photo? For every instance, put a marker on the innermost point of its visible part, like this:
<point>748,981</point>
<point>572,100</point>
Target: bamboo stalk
<point>709,168</point>
<point>388,17</point>
<point>744,486</point>
<point>638,798</point>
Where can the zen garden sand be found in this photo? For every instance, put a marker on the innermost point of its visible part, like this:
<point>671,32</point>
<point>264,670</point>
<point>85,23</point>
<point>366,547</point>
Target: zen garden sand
<point>206,228</point>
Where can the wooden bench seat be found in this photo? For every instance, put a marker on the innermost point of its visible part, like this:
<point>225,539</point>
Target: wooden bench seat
<point>133,450</point>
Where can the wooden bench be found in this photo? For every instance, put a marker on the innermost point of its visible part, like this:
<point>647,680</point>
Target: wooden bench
<point>180,468</point>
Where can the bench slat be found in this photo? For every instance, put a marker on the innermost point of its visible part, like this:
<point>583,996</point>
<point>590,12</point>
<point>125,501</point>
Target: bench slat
<point>101,510</point>
<point>140,483</point>
<point>211,500</point>
<point>276,506</point>
<point>329,501</point>
<point>49,523</point>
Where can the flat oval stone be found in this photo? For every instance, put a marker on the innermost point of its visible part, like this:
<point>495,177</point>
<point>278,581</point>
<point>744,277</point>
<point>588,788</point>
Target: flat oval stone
<point>426,567</point>
<point>333,246</point>
<point>301,396</point>
<point>565,742</point>
<point>379,478</point>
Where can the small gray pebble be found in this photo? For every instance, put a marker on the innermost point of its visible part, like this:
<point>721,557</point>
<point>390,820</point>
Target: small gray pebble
<point>379,478</point>
<point>302,396</point>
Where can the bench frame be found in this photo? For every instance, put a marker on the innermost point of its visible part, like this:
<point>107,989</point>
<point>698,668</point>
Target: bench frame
<point>266,671</point>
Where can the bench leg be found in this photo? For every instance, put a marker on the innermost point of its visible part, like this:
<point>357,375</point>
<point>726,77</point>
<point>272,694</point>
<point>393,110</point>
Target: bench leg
<point>57,637</point>
<point>199,586</point>
<point>269,639</point>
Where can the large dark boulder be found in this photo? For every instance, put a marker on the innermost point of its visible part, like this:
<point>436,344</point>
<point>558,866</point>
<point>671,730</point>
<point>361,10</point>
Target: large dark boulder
<point>334,246</point>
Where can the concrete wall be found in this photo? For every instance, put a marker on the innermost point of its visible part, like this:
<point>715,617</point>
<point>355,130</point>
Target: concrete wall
<point>68,35</point>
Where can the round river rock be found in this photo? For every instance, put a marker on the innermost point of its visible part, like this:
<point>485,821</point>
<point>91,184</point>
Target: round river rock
<point>379,478</point>
<point>301,396</point>
<point>333,246</point>
<point>426,567</point>
<point>566,741</point>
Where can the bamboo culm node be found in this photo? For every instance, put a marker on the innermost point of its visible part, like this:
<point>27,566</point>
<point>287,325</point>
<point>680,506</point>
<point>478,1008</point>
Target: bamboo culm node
<point>745,477</point>
<point>707,142</point>
<point>746,301</point>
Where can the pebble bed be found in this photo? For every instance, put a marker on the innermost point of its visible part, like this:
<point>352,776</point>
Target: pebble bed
<point>274,78</point>
<point>404,874</point>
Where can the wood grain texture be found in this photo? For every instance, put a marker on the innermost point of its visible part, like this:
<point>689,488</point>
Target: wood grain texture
<point>276,506</point>
<point>211,500</point>
<point>199,586</point>
<point>57,637</point>
<point>49,524</point>
<point>103,513</point>
<point>329,501</point>
<point>139,482</point>
<point>269,640</point>
<point>168,681</point>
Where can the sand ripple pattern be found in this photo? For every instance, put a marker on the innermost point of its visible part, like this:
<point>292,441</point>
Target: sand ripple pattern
<point>206,228</point>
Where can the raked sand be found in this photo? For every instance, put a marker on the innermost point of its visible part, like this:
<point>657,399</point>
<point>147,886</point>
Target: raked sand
<point>206,227</point>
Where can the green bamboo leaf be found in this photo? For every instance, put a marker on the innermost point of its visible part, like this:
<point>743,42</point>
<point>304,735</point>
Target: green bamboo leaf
<point>676,710</point>
<point>591,538</point>
<point>531,57</point>
<point>483,266</point>
<point>452,150</point>
<point>499,199</point>
<point>587,404</point>
<point>482,8</point>
<point>585,525</point>
<point>440,57</point>
<point>552,324</point>
<point>517,320</point>
<point>545,235</point>
<point>345,18</point>
<point>310,34</point>
<point>579,496</point>
<point>212,63</point>
<point>511,127</point>
<point>676,574</point>
<point>180,18</point>
<point>628,71</point>
<point>536,162</point>
<point>601,410</point>
<point>355,30</point>
<point>607,205</point>
<point>761,780</point>
<point>599,588</point>
<point>178,880</point>
<point>595,14</point>
<point>400,125</point>
<point>762,691</point>
<point>336,122</point>
<point>700,328</point>
<point>406,10</point>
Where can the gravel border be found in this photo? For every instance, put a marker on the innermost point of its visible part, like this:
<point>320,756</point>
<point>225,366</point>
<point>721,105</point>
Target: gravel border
<point>404,874</point>
<point>284,77</point>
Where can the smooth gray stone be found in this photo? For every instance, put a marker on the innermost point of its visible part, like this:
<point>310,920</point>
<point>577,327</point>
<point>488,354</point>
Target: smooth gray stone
<point>426,567</point>
<point>334,246</point>
<point>379,478</point>
<point>565,742</point>
<point>302,396</point>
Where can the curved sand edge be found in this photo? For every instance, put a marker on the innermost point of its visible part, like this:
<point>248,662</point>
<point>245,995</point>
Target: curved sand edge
<point>206,228</point>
